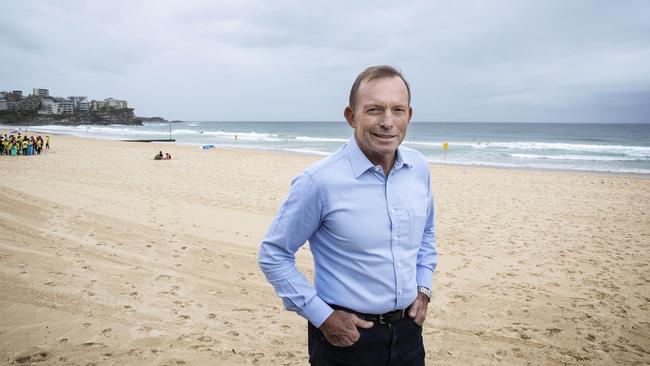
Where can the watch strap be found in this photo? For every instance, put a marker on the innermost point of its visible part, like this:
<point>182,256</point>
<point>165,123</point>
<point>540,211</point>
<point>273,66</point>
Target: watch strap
<point>425,291</point>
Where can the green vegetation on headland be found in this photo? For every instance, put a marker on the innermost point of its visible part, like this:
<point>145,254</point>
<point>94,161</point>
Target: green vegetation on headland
<point>107,116</point>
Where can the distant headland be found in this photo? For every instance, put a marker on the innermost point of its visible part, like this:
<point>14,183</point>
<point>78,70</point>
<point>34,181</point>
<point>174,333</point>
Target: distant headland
<point>41,108</point>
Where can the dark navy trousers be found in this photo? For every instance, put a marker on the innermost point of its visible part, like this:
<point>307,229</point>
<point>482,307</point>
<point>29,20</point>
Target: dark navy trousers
<point>399,343</point>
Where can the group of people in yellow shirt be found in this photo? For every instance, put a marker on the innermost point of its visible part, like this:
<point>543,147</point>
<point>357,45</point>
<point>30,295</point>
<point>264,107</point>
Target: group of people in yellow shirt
<point>23,145</point>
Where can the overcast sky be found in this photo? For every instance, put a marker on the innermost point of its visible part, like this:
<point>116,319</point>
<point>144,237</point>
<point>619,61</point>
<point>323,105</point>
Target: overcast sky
<point>497,60</point>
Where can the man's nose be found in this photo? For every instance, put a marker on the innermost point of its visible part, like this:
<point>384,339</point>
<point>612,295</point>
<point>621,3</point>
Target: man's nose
<point>387,121</point>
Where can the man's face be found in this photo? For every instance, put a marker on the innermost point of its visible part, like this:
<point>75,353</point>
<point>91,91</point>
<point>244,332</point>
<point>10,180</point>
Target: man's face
<point>380,118</point>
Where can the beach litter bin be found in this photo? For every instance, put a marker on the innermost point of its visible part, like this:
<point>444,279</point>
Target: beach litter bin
<point>13,151</point>
<point>30,149</point>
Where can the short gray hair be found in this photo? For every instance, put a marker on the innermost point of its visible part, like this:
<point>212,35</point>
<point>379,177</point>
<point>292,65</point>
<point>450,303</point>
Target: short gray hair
<point>376,72</point>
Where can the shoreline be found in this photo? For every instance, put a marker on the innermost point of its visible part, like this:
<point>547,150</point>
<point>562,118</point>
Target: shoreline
<point>323,154</point>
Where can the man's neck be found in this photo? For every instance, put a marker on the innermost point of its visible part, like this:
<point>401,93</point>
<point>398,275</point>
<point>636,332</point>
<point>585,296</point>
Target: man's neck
<point>383,161</point>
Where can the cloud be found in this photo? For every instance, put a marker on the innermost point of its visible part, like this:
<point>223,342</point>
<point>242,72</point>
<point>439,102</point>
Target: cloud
<point>290,60</point>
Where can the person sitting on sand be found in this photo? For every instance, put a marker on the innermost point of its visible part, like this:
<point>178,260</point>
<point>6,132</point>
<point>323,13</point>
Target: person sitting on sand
<point>168,156</point>
<point>159,156</point>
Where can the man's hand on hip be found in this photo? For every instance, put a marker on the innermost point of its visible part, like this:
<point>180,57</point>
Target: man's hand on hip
<point>340,329</point>
<point>418,309</point>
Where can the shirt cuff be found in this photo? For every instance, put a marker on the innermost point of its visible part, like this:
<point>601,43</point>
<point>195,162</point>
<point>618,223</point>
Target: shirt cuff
<point>317,311</point>
<point>424,277</point>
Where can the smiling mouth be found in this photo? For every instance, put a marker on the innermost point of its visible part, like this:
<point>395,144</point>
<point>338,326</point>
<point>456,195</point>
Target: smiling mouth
<point>382,136</point>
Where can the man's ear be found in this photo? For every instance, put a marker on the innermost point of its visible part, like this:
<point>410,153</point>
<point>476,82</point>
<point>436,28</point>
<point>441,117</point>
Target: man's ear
<point>348,113</point>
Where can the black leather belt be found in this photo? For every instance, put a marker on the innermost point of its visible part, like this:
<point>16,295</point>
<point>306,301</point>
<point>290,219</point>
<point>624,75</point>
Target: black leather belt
<point>385,318</point>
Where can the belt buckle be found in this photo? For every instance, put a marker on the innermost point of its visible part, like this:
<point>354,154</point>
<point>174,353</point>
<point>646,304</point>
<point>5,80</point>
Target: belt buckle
<point>381,319</point>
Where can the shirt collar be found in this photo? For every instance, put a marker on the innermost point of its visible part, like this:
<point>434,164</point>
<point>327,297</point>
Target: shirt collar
<point>360,162</point>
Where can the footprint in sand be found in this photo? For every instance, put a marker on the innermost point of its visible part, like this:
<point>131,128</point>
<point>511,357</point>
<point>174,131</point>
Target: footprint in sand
<point>93,344</point>
<point>553,330</point>
<point>107,332</point>
<point>180,303</point>
<point>201,347</point>
<point>32,356</point>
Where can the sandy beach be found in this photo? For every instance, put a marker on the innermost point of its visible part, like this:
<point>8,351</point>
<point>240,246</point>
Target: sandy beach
<point>108,257</point>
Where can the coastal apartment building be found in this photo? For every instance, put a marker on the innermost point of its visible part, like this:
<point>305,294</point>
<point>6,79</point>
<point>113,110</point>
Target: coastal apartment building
<point>9,100</point>
<point>108,103</point>
<point>115,103</point>
<point>40,101</point>
<point>30,103</point>
<point>41,92</point>
<point>14,96</point>
<point>65,106</point>
<point>48,106</point>
<point>96,105</point>
<point>81,104</point>
<point>51,105</point>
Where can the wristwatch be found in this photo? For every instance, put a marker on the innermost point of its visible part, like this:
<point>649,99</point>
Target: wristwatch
<point>425,291</point>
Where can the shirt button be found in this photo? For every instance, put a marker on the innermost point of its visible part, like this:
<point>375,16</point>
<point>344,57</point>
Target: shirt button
<point>400,292</point>
<point>398,265</point>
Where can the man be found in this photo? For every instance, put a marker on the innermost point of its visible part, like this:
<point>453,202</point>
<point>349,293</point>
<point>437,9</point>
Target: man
<point>367,211</point>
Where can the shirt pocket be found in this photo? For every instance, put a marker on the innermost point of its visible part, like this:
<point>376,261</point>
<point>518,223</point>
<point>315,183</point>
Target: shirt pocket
<point>417,220</point>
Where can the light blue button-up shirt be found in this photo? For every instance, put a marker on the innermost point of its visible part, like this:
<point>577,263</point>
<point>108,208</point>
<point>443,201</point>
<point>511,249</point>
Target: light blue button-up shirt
<point>371,235</point>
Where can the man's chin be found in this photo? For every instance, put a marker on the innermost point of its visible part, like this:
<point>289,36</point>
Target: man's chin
<point>386,150</point>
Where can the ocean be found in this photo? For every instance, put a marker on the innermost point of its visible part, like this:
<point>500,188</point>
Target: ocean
<point>617,148</point>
